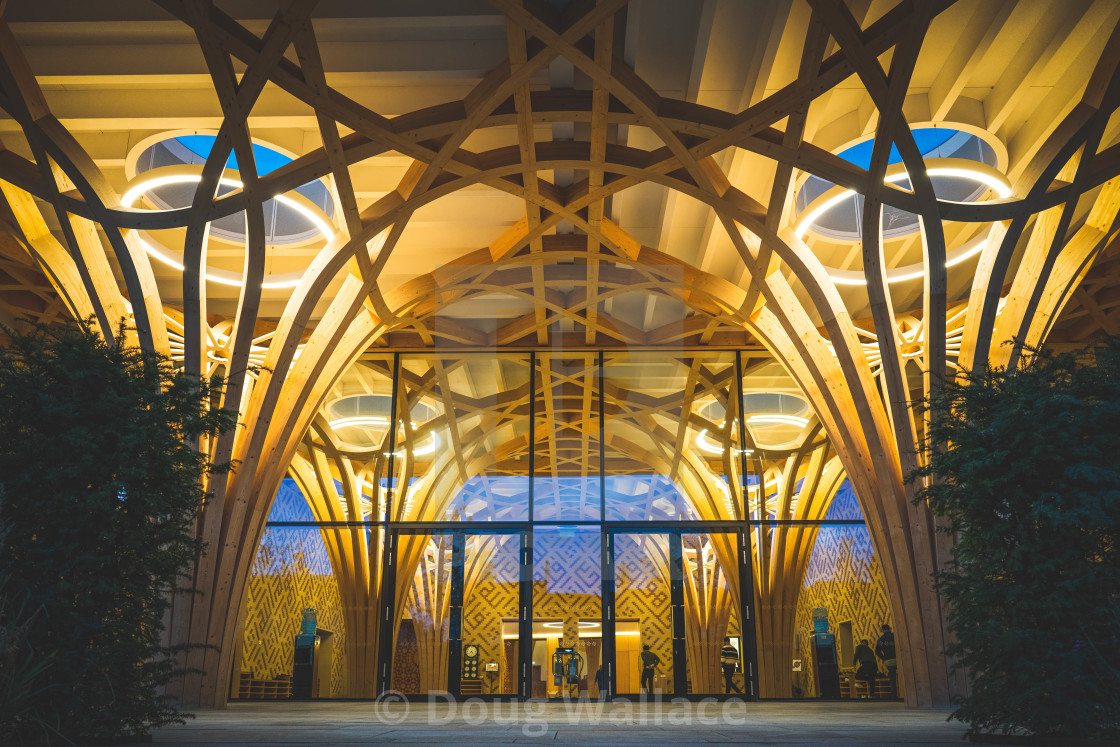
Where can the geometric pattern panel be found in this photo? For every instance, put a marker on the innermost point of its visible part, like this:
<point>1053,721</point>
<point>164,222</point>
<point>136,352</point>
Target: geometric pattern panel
<point>845,506</point>
<point>493,597</point>
<point>845,577</point>
<point>291,572</point>
<point>642,591</point>
<point>567,561</point>
<point>406,667</point>
<point>290,505</point>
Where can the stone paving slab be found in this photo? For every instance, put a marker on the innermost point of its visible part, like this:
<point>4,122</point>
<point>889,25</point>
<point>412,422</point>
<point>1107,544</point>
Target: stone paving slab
<point>474,722</point>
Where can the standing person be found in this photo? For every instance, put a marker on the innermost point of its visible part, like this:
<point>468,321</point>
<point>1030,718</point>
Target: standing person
<point>729,658</point>
<point>650,662</point>
<point>884,649</point>
<point>864,662</point>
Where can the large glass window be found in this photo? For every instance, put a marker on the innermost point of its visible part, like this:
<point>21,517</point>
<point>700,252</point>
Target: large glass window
<point>308,628</point>
<point>712,614</point>
<point>821,595</point>
<point>567,483</point>
<point>555,523</point>
<point>672,436</point>
<point>491,601</point>
<point>422,635</point>
<point>643,627</point>
<point>462,446</point>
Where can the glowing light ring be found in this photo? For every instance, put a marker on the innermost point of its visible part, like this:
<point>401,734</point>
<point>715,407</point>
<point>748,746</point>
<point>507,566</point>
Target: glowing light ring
<point>979,173</point>
<point>222,277</point>
<point>430,448</point>
<point>380,421</point>
<point>704,444</point>
<point>359,421</point>
<point>778,419</point>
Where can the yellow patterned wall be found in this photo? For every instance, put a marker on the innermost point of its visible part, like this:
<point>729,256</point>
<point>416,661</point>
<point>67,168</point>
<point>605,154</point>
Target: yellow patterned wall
<point>492,599</point>
<point>290,572</point>
<point>845,577</point>
<point>567,587</point>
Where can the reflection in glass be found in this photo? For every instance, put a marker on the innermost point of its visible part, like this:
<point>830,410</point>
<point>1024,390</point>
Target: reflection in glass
<point>566,486</point>
<point>462,446</point>
<point>355,424</point>
<point>672,447</point>
<point>711,594</point>
<point>420,647</point>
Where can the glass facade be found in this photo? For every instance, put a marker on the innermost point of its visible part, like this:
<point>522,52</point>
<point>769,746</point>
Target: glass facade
<point>564,524</point>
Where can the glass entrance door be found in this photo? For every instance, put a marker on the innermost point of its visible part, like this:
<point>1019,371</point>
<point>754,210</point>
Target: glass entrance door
<point>714,637</point>
<point>490,631</point>
<point>678,614</point>
<point>567,612</point>
<point>457,628</point>
<point>647,593</point>
<point>501,612</point>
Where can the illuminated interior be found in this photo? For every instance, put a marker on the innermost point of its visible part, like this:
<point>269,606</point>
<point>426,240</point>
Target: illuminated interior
<point>565,327</point>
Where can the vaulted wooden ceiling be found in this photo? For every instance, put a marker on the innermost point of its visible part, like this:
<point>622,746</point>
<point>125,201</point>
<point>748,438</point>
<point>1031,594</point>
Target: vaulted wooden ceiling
<point>541,248</point>
<point>584,169</point>
<point>566,174</point>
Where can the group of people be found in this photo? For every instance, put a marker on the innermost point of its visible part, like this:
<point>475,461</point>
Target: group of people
<point>866,661</point>
<point>728,659</point>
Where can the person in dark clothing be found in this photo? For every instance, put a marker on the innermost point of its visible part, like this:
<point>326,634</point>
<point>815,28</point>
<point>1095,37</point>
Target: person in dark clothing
<point>650,662</point>
<point>729,659</point>
<point>884,649</point>
<point>864,662</point>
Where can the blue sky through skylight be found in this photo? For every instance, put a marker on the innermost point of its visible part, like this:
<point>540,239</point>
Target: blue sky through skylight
<point>928,139</point>
<point>267,159</point>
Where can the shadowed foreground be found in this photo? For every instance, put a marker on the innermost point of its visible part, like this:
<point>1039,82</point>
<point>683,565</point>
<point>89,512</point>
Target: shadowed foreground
<point>474,722</point>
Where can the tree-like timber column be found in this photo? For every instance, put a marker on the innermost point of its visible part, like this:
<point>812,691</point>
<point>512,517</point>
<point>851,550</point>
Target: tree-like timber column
<point>1035,247</point>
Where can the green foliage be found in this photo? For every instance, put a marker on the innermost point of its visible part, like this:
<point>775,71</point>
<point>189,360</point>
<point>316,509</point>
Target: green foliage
<point>1030,485</point>
<point>100,486</point>
<point>22,669</point>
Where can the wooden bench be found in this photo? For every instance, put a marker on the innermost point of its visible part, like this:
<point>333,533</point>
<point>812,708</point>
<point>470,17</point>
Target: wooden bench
<point>253,688</point>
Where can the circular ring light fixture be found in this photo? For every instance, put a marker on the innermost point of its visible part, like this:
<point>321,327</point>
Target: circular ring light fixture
<point>976,173</point>
<point>962,166</point>
<point>162,168</point>
<point>358,414</point>
<point>148,181</point>
<point>776,419</point>
<point>705,444</point>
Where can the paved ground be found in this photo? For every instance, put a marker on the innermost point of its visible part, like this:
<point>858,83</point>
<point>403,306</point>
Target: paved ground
<point>474,722</point>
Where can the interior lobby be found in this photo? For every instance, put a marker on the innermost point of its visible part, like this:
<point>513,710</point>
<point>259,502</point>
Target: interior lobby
<point>578,347</point>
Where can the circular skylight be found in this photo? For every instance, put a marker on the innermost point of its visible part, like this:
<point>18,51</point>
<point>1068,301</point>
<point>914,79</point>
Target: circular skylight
<point>775,419</point>
<point>362,420</point>
<point>284,224</point>
<point>841,217</point>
